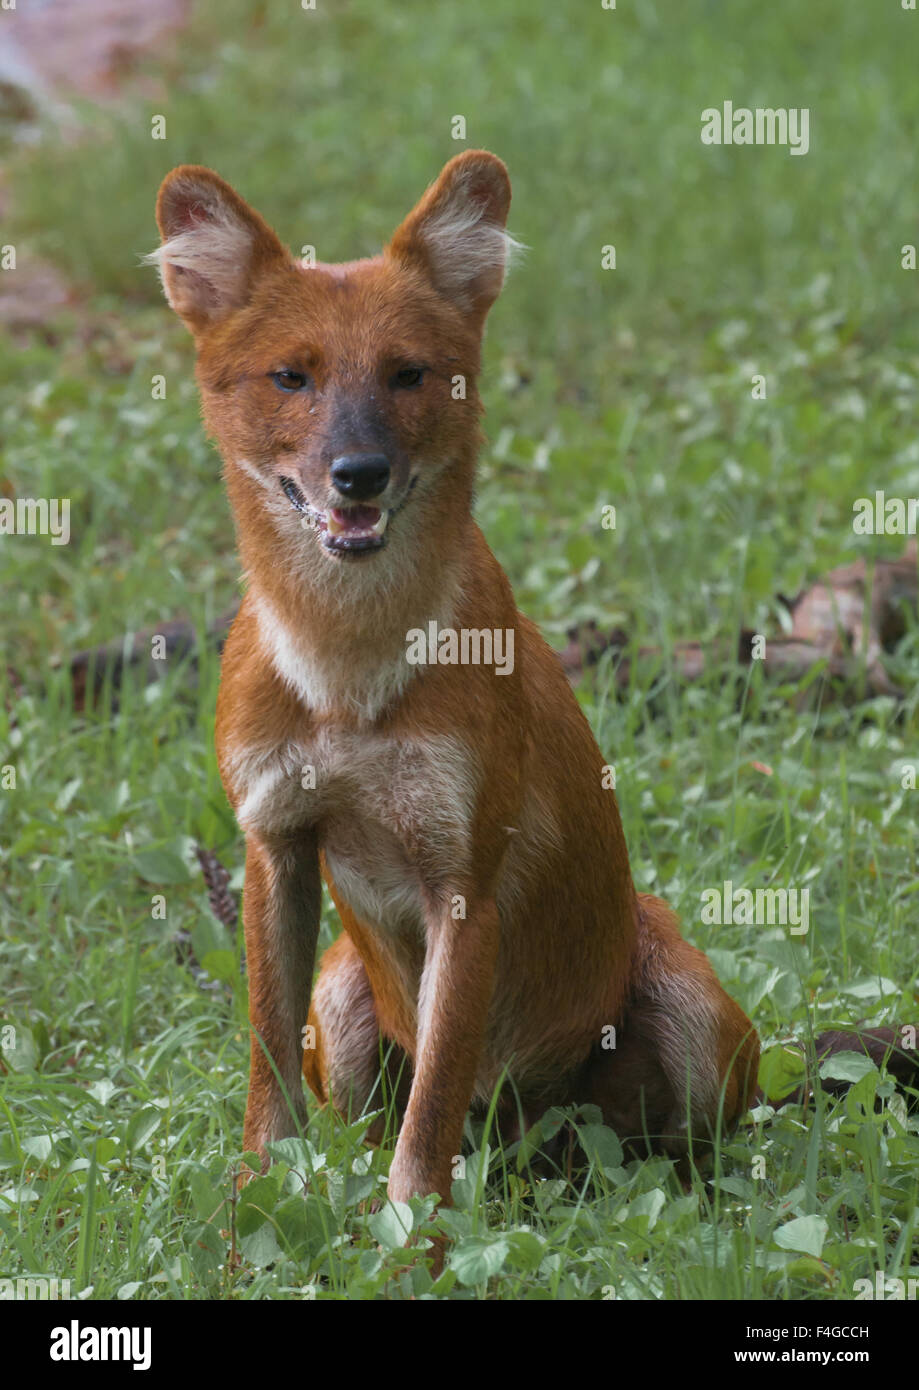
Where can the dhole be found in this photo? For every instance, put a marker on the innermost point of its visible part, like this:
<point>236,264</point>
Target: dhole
<point>457,814</point>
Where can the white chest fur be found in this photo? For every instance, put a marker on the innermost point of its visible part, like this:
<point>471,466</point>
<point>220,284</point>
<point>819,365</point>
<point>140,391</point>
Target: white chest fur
<point>393,816</point>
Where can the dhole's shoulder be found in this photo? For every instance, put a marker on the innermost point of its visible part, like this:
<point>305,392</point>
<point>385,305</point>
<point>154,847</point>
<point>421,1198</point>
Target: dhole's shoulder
<point>253,696</point>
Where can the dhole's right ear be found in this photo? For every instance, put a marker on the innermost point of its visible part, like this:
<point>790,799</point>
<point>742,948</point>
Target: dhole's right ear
<point>214,246</point>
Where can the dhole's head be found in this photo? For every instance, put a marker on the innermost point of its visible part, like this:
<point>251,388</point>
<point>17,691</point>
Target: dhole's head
<point>343,397</point>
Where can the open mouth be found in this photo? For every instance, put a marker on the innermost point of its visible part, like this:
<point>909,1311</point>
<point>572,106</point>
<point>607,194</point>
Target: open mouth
<point>344,530</point>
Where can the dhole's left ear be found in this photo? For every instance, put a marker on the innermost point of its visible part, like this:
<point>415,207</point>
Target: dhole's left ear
<point>456,233</point>
<point>214,246</point>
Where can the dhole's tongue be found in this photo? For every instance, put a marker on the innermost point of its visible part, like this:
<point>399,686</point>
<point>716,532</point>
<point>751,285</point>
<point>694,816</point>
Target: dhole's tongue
<point>354,521</point>
<point>356,518</point>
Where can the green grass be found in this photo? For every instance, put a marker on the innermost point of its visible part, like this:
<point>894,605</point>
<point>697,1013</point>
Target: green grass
<point>124,1082</point>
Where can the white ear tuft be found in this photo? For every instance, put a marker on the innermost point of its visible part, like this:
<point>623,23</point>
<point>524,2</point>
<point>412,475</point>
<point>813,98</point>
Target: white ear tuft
<point>457,231</point>
<point>213,244</point>
<point>467,252</point>
<point>216,253</point>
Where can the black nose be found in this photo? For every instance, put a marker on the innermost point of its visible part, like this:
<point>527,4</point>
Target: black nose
<point>360,475</point>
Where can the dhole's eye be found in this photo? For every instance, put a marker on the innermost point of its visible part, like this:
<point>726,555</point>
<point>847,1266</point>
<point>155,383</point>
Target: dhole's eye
<point>288,381</point>
<point>407,377</point>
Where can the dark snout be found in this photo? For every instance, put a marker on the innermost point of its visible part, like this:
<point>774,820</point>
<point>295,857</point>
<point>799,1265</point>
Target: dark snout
<point>360,476</point>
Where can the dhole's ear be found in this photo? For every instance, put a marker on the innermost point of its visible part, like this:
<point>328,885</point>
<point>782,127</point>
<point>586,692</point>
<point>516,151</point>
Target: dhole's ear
<point>214,246</point>
<point>456,233</point>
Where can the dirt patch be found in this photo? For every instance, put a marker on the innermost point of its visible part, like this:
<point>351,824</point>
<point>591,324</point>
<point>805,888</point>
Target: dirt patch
<point>51,50</point>
<point>52,47</point>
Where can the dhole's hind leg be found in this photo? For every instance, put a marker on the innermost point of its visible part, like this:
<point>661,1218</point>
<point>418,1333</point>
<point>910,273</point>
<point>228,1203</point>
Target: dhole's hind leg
<point>344,1067</point>
<point>684,1048</point>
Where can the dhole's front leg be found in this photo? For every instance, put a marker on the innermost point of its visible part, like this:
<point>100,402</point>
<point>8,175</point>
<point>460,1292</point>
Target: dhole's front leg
<point>281,904</point>
<point>455,994</point>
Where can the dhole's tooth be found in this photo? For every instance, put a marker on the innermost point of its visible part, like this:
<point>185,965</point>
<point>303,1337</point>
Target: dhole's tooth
<point>380,526</point>
<point>333,527</point>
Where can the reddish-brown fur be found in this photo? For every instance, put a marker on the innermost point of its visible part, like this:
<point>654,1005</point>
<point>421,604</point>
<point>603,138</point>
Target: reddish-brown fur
<point>436,790</point>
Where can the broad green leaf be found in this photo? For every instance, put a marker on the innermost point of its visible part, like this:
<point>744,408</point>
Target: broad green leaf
<point>477,1258</point>
<point>781,1070</point>
<point>601,1145</point>
<point>804,1233</point>
<point>847,1066</point>
<point>161,865</point>
<point>261,1248</point>
<point>256,1200</point>
<point>392,1225</point>
<point>525,1249</point>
